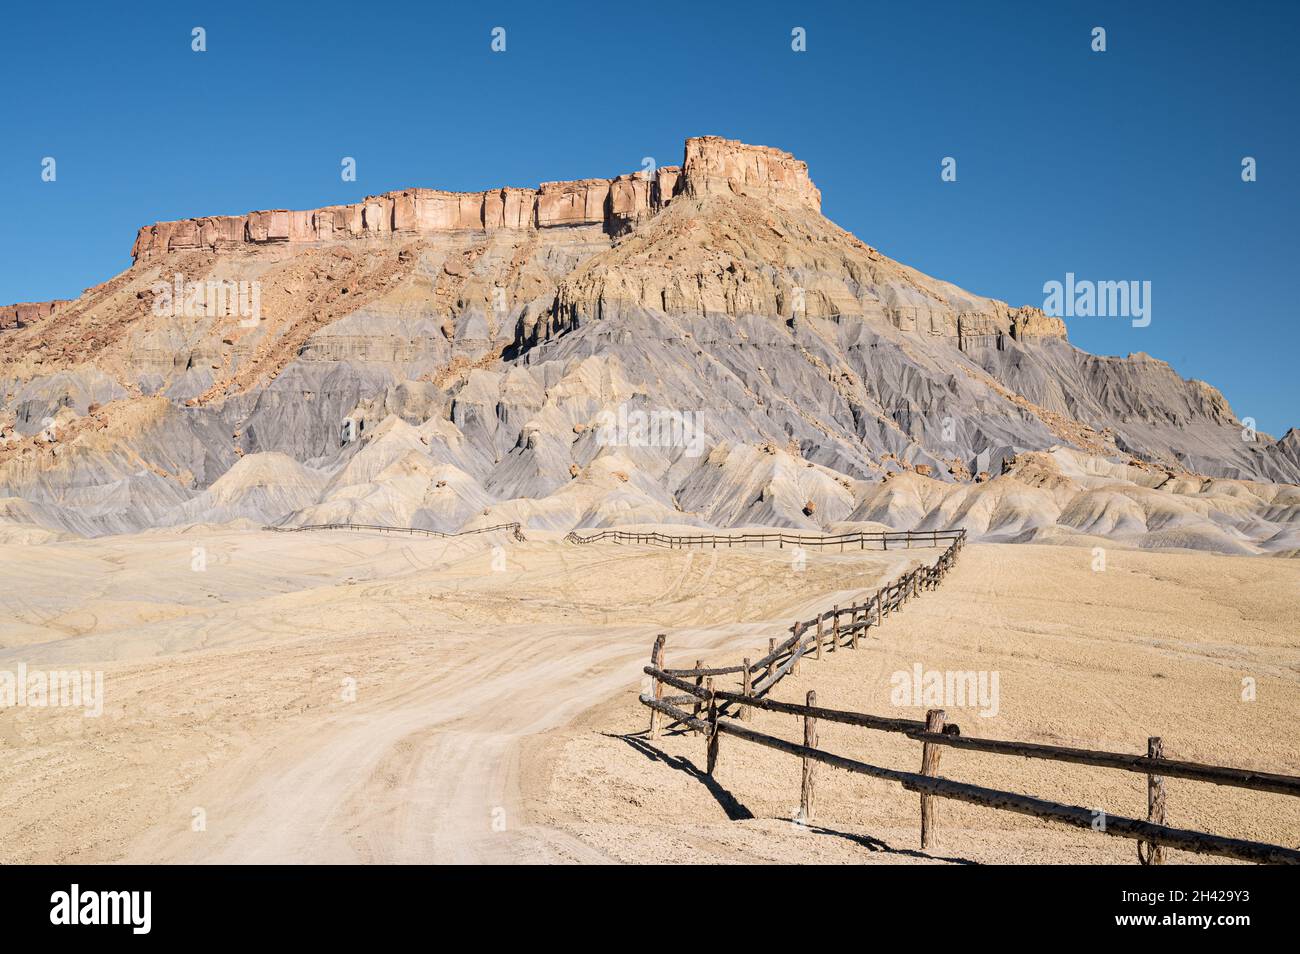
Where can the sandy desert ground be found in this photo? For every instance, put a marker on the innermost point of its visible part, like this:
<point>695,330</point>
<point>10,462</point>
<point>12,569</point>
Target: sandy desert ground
<point>494,716</point>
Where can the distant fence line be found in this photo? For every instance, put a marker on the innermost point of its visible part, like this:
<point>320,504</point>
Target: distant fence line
<point>855,540</point>
<point>515,529</point>
<point>711,707</point>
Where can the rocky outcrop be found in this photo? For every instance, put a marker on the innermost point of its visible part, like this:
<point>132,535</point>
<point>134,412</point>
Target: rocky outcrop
<point>27,313</point>
<point>715,166</point>
<point>711,166</point>
<point>634,198</point>
<point>990,328</point>
<point>1028,323</point>
<point>613,205</point>
<point>979,330</point>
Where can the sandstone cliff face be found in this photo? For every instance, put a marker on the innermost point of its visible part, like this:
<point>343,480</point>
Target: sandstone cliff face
<point>614,205</point>
<point>1028,322</point>
<point>716,166</point>
<point>711,166</point>
<point>990,328</point>
<point>27,313</point>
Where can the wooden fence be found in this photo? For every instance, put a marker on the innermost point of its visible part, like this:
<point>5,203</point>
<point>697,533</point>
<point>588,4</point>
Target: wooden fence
<point>514,529</point>
<point>857,540</point>
<point>841,627</point>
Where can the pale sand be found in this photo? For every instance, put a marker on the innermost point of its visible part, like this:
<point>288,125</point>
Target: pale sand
<point>491,705</point>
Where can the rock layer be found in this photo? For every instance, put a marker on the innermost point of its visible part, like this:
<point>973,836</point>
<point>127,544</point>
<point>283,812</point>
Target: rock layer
<point>712,165</point>
<point>27,313</point>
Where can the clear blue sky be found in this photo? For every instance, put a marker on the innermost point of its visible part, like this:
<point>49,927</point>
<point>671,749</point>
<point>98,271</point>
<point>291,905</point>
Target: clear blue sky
<point>1115,165</point>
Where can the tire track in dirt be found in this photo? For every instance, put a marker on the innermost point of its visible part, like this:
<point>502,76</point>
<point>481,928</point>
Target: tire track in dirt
<point>432,773</point>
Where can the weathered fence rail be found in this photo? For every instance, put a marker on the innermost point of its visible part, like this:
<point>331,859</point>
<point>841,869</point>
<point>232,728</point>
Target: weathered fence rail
<point>514,529</point>
<point>1124,762</point>
<point>1078,816</point>
<point>826,631</point>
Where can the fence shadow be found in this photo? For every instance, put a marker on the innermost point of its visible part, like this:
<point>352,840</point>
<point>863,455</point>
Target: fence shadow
<point>734,808</point>
<point>737,811</point>
<point>875,844</point>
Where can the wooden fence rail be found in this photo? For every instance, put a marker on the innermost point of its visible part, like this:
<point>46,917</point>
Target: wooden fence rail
<point>1078,816</point>
<point>915,730</point>
<point>1141,764</point>
<point>951,736</point>
<point>935,732</point>
<point>514,529</point>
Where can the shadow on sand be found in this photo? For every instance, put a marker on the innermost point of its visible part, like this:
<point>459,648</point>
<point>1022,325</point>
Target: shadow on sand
<point>736,811</point>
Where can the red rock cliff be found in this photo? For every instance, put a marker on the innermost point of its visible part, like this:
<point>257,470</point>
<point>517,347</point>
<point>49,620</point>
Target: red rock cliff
<point>26,313</point>
<point>711,165</point>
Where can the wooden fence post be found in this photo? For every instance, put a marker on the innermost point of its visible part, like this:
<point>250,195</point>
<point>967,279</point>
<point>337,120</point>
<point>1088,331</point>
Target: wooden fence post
<point>835,627</point>
<point>853,624</point>
<point>746,712</point>
<point>699,683</point>
<point>797,631</point>
<point>820,617</point>
<point>657,660</point>
<point>810,740</point>
<point>711,750</point>
<point>1149,854</point>
<point>880,614</point>
<point>934,721</point>
<point>771,650</point>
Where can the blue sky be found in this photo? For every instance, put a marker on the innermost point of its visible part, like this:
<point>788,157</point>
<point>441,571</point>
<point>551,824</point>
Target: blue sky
<point>1123,165</point>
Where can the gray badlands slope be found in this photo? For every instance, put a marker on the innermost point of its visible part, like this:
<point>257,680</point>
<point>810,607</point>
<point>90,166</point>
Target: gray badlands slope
<point>449,360</point>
